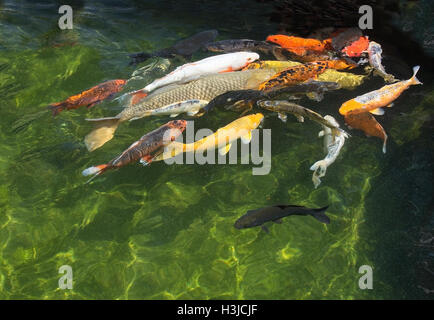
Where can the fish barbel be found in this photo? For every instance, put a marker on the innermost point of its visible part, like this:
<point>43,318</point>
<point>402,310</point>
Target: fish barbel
<point>175,99</point>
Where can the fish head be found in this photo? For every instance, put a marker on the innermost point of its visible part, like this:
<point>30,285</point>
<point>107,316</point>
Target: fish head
<point>256,119</point>
<point>245,221</point>
<point>267,104</point>
<point>176,127</point>
<point>279,39</point>
<point>243,59</point>
<point>120,83</point>
<point>341,64</point>
<point>350,105</point>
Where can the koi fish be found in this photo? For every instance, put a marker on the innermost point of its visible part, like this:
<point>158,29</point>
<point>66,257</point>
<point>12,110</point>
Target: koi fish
<point>374,100</point>
<point>368,124</point>
<point>222,139</point>
<point>89,97</point>
<point>283,107</point>
<point>185,47</point>
<point>237,99</point>
<point>356,48</point>
<point>345,38</point>
<point>143,149</point>
<point>300,46</point>
<point>216,64</point>
<point>345,80</point>
<point>303,72</point>
<point>234,45</point>
<point>332,144</point>
<point>258,217</point>
<point>175,99</point>
<point>374,53</point>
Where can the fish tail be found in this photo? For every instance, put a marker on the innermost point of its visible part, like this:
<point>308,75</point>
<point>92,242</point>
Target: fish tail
<point>415,80</point>
<point>320,215</point>
<point>56,108</point>
<point>95,171</point>
<point>139,57</point>
<point>103,132</point>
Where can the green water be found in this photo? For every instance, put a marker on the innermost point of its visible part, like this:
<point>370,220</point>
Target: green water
<point>166,232</point>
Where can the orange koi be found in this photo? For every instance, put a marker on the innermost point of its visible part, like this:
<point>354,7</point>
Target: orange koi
<point>356,48</point>
<point>303,72</point>
<point>374,100</point>
<point>368,124</point>
<point>89,97</point>
<point>300,46</point>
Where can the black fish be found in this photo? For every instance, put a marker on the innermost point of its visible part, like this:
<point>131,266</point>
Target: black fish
<point>255,218</point>
<point>244,97</point>
<point>185,47</point>
<point>235,45</point>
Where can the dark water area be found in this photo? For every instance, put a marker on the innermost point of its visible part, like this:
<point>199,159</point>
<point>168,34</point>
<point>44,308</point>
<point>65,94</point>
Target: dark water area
<point>166,232</point>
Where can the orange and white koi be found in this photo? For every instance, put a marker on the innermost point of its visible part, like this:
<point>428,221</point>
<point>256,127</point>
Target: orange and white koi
<point>89,97</point>
<point>143,149</point>
<point>374,100</point>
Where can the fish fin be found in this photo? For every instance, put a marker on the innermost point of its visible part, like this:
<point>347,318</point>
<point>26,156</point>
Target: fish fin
<point>321,134</point>
<point>378,111</point>
<point>146,160</point>
<point>415,80</point>
<point>279,221</point>
<point>299,117</point>
<point>265,229</point>
<point>229,69</point>
<point>192,112</point>
<point>390,105</point>
<point>320,215</point>
<point>282,116</point>
<point>95,171</point>
<point>225,149</point>
<point>103,132</point>
<point>247,137</point>
<point>137,96</point>
<point>174,115</point>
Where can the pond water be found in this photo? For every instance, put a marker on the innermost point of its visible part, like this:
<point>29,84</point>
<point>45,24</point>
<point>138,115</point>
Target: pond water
<point>166,232</point>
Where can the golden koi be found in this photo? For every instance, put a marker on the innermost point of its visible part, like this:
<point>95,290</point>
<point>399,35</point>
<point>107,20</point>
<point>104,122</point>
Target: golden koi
<point>221,139</point>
